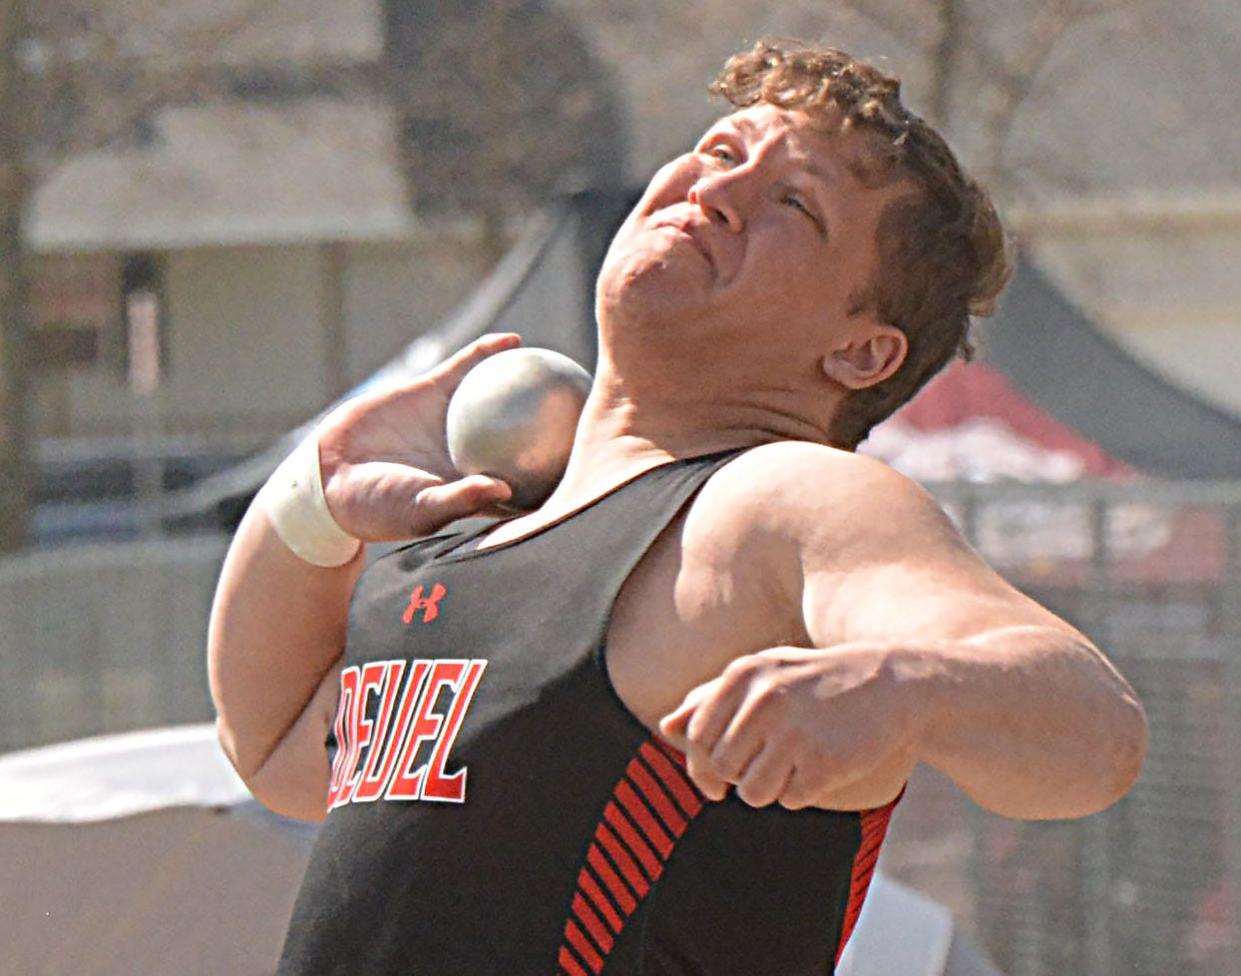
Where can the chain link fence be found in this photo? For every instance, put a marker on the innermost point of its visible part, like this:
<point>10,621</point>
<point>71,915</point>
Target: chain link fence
<point>1152,573</point>
<point>109,638</point>
<point>104,638</point>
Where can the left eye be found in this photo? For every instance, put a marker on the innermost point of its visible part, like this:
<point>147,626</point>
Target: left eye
<point>793,200</point>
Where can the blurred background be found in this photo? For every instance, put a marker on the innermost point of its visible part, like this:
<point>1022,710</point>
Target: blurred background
<point>218,217</point>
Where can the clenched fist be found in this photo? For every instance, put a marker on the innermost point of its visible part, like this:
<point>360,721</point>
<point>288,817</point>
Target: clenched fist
<point>827,727</point>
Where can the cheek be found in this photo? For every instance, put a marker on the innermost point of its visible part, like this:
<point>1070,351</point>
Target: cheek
<point>795,297</point>
<point>629,252</point>
<point>636,273</point>
<point>668,186</point>
<point>789,261</point>
<point>821,276</point>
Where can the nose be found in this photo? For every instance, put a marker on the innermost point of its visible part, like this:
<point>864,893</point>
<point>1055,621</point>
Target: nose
<point>723,197</point>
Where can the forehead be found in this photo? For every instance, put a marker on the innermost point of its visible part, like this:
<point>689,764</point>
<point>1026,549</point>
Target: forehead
<point>821,140</point>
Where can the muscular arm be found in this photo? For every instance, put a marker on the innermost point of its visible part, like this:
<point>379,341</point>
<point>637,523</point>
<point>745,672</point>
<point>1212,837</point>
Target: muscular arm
<point>919,653</point>
<point>1011,702</point>
<point>277,628</point>
<point>278,623</point>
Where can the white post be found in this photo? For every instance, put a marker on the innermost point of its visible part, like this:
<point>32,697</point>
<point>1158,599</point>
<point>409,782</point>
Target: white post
<point>142,315</point>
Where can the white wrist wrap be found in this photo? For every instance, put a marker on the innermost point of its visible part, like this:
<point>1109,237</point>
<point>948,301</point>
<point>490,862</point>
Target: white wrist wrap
<point>293,500</point>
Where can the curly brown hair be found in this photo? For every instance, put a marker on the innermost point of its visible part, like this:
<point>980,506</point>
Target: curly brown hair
<point>943,255</point>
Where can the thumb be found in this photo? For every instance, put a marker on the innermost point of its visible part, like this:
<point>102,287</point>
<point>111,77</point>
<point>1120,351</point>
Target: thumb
<point>675,725</point>
<point>437,505</point>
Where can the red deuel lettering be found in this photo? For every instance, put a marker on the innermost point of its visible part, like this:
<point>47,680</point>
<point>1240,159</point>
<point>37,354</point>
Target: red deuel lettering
<point>451,789</point>
<point>344,733</point>
<point>407,784</point>
<point>367,789</point>
<point>406,723</point>
<point>379,771</point>
<point>370,680</point>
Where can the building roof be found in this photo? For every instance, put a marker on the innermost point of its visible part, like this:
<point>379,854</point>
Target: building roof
<point>233,173</point>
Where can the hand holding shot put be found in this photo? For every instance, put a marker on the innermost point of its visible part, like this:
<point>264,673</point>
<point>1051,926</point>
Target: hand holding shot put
<point>386,468</point>
<point>514,417</point>
<point>659,721</point>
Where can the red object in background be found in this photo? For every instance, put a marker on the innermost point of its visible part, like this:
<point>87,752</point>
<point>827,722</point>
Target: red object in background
<point>966,399</point>
<point>970,424</point>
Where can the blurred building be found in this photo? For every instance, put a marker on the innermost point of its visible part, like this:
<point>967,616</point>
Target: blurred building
<point>270,220</point>
<point>314,184</point>
<point>1157,272</point>
<point>292,198</point>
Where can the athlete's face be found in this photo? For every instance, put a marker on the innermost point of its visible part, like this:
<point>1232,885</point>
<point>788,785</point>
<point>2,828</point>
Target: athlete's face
<point>757,241</point>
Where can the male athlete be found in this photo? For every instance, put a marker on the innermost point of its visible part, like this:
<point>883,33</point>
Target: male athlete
<point>658,725</point>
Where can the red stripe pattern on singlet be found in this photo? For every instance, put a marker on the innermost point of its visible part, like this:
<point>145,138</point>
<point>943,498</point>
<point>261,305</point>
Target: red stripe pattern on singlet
<point>646,815</point>
<point>874,829</point>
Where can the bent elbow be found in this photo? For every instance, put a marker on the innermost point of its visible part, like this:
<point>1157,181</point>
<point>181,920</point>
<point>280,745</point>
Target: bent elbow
<point>1131,737</point>
<point>1120,752</point>
<point>246,762</point>
<point>283,783</point>
<point>1111,767</point>
<point>227,739</point>
<point>290,779</point>
<point>287,800</point>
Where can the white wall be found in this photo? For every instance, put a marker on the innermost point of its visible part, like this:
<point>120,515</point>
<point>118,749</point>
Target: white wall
<point>249,341</point>
<point>243,350</point>
<point>246,336</point>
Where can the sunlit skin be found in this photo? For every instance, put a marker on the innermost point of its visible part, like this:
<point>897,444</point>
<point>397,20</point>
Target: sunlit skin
<point>812,626</point>
<point>744,256</point>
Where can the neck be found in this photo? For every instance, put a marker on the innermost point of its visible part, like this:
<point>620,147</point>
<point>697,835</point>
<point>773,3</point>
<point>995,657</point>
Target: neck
<point>624,431</point>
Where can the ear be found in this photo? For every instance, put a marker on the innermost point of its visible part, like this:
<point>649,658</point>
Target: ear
<point>867,358</point>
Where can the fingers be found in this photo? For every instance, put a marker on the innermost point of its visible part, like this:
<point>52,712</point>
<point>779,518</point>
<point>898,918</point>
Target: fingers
<point>675,728</point>
<point>717,748</point>
<point>800,791</point>
<point>798,727</point>
<point>384,500</point>
<point>453,369</point>
<point>766,777</point>
<point>738,730</point>
<point>436,506</point>
<point>674,725</point>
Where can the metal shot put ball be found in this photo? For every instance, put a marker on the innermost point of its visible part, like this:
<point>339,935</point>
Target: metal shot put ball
<point>514,417</point>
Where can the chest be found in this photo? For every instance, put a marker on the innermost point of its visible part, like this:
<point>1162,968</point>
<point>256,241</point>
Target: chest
<point>696,601</point>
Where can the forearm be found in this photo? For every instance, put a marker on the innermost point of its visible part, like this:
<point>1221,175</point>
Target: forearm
<point>1032,722</point>
<point>277,627</point>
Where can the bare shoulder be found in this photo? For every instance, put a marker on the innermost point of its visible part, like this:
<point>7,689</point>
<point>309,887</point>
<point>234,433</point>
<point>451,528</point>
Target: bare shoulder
<point>785,465</point>
<point>795,495</point>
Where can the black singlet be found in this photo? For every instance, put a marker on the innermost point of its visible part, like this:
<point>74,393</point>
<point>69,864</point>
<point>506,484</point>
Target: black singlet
<point>495,808</point>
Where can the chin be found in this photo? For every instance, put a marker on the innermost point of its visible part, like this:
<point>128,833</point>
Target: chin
<point>649,288</point>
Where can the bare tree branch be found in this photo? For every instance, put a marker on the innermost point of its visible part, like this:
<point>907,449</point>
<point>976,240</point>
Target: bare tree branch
<point>1007,77</point>
<point>115,88</point>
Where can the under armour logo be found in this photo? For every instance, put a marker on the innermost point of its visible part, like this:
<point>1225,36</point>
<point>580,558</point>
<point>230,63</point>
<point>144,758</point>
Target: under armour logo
<point>429,605</point>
